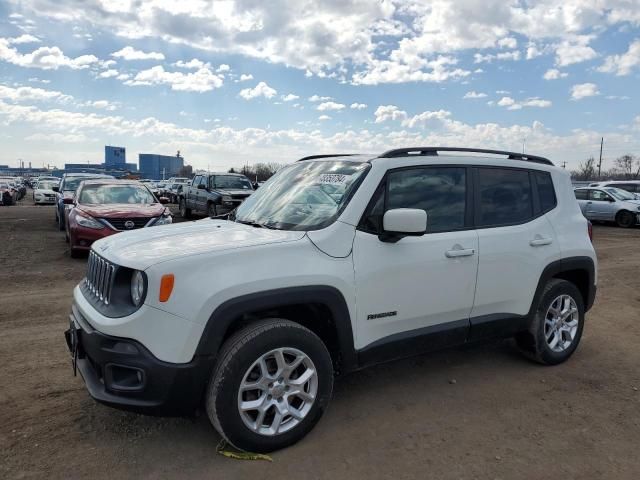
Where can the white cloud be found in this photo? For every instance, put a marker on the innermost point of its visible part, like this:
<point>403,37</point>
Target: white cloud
<point>24,38</point>
<point>474,94</point>
<point>130,53</point>
<point>358,106</point>
<point>317,98</point>
<point>584,90</point>
<point>575,50</point>
<point>244,144</point>
<point>488,58</point>
<point>554,74</point>
<point>289,97</point>
<point>202,80</point>
<point>57,138</point>
<point>508,42</point>
<point>31,94</point>
<point>108,73</point>
<point>389,112</point>
<point>260,90</point>
<point>321,38</point>
<point>245,77</point>
<point>324,118</point>
<point>194,64</point>
<point>223,68</point>
<point>512,104</point>
<point>330,106</point>
<point>45,58</point>
<point>101,105</point>
<point>623,64</point>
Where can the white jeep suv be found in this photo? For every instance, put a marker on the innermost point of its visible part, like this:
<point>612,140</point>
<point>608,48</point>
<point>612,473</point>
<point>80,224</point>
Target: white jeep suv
<point>336,263</point>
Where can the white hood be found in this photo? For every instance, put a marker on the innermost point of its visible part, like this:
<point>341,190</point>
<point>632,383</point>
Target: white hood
<point>148,246</point>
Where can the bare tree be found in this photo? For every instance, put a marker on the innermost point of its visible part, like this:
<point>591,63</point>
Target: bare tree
<point>628,166</point>
<point>586,170</point>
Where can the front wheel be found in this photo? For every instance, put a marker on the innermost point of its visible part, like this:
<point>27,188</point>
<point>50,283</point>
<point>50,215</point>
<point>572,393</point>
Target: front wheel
<point>272,383</point>
<point>556,327</point>
<point>184,211</point>
<point>212,211</point>
<point>625,219</point>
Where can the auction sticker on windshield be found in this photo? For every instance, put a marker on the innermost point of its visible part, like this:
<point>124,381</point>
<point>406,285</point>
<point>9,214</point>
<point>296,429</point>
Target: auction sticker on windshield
<point>333,179</point>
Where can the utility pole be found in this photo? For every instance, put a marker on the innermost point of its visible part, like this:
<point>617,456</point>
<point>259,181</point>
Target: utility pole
<point>564,164</point>
<point>600,161</point>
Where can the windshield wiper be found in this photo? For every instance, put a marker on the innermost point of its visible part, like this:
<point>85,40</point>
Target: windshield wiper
<point>248,222</point>
<point>256,224</point>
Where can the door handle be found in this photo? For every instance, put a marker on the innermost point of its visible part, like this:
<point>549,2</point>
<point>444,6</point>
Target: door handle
<point>459,252</point>
<point>539,241</point>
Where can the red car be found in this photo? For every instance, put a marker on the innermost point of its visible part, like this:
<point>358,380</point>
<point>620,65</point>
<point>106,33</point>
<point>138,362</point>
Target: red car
<point>106,206</point>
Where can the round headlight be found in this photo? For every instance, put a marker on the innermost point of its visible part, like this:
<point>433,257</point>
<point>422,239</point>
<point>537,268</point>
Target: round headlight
<point>137,288</point>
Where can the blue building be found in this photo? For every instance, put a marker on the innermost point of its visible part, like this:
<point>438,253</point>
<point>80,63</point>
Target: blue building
<point>159,167</point>
<point>115,157</point>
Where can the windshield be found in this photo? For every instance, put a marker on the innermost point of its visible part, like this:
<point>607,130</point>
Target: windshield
<point>46,185</point>
<point>231,182</point>
<point>106,194</point>
<point>305,196</point>
<point>71,184</point>
<point>620,194</point>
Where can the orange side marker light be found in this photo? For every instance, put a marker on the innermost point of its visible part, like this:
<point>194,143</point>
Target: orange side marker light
<point>166,286</point>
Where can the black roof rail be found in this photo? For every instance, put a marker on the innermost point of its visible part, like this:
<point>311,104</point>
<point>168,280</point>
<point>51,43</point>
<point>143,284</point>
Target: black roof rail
<point>433,151</point>
<point>314,157</point>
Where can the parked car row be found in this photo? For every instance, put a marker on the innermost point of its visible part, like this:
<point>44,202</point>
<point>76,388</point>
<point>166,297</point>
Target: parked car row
<point>92,206</point>
<point>13,189</point>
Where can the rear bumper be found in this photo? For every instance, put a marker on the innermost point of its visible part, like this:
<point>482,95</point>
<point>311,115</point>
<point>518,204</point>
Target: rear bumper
<point>123,374</point>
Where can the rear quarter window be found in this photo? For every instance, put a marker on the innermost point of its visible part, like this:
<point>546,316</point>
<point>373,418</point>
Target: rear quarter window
<point>546,192</point>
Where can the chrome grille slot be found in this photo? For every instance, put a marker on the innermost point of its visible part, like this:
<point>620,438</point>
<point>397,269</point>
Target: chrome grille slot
<point>100,277</point>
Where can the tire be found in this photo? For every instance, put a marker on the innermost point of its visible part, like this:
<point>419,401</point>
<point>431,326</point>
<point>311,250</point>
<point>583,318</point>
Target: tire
<point>184,211</point>
<point>61,225</point>
<point>534,344</point>
<point>238,359</point>
<point>212,211</point>
<point>625,219</point>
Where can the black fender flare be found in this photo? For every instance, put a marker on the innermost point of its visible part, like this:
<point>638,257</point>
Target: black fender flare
<point>568,264</point>
<point>228,312</point>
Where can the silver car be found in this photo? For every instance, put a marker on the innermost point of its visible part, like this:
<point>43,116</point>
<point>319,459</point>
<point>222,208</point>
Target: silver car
<point>609,204</point>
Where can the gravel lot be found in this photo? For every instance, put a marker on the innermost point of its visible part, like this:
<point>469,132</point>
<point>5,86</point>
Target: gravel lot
<point>477,412</point>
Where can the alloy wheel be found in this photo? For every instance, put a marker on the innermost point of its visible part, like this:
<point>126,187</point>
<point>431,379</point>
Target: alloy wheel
<point>277,391</point>
<point>561,323</point>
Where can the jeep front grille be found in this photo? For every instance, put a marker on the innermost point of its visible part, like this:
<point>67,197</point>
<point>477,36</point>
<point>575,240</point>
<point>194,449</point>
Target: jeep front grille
<point>100,276</point>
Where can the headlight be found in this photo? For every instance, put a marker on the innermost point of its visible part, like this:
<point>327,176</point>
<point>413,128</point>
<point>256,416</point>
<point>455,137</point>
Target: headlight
<point>138,287</point>
<point>88,222</point>
<point>163,220</point>
<point>38,195</point>
<point>227,198</point>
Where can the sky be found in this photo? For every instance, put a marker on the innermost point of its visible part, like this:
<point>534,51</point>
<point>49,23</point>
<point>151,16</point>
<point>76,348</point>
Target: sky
<point>231,82</point>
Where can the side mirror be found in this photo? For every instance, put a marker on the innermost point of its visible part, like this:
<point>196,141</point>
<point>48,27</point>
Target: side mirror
<point>55,189</point>
<point>67,201</point>
<point>201,186</point>
<point>403,222</point>
<point>163,200</point>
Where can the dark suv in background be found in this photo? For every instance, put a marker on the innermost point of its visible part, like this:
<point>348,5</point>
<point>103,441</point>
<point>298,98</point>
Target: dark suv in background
<point>214,194</point>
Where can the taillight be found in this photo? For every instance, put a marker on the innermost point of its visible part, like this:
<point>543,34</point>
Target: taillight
<point>590,230</point>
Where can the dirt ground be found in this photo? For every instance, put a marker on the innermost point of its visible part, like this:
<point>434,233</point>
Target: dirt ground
<point>477,412</point>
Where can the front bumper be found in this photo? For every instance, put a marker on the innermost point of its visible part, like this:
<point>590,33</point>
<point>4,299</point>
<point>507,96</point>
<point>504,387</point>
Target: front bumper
<point>82,237</point>
<point>122,373</point>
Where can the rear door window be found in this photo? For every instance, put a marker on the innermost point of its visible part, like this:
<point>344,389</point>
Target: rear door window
<point>581,194</point>
<point>503,197</point>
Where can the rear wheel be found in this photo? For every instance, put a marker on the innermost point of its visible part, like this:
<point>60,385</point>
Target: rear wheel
<point>184,211</point>
<point>556,327</point>
<point>272,383</point>
<point>60,222</point>
<point>625,219</point>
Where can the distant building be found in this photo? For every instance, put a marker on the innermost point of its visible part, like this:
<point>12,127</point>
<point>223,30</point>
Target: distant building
<point>115,158</point>
<point>159,167</point>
